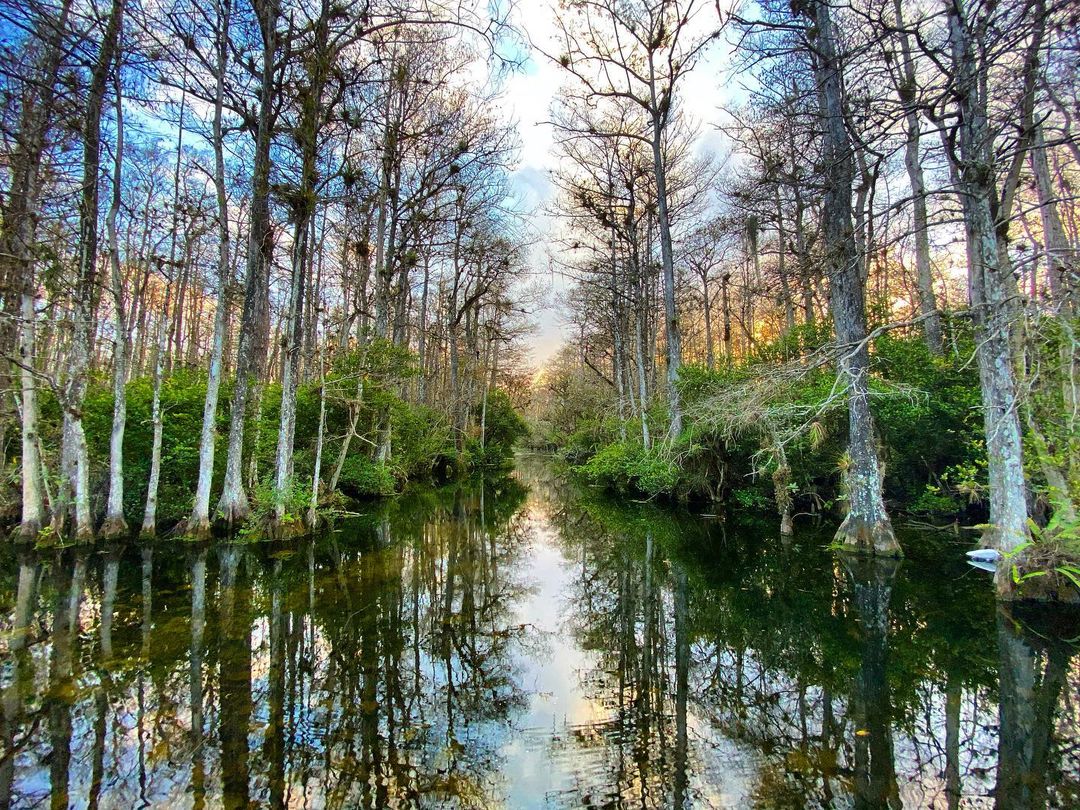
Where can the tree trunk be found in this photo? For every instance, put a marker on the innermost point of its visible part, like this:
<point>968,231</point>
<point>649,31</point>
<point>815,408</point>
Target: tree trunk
<point>198,524</point>
<point>991,307</point>
<point>306,135</point>
<point>725,306</point>
<point>1060,264</point>
<point>421,346</point>
<point>83,308</point>
<point>710,355</point>
<point>233,505</point>
<point>781,478</point>
<point>671,317</point>
<point>17,235</point>
<point>115,525</point>
<point>33,509</point>
<point>176,328</point>
<point>924,278</point>
<point>867,527</point>
<point>781,265</point>
<point>316,474</point>
<point>149,524</point>
<point>343,453</point>
<point>293,332</point>
<point>452,329</point>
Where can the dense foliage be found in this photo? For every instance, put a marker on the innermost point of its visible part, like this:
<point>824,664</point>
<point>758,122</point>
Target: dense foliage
<point>925,407</point>
<point>423,448</point>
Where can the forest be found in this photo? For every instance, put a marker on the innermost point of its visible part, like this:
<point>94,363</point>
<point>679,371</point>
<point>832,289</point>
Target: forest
<point>263,259</point>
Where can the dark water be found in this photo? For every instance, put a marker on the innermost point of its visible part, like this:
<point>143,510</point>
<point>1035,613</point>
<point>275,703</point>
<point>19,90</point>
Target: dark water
<point>527,644</point>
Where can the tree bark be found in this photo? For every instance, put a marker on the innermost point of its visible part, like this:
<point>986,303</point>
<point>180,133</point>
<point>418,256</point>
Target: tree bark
<point>293,331</point>
<point>149,524</point>
<point>867,527</point>
<point>17,236</point>
<point>991,305</point>
<point>33,509</point>
<point>781,266</point>
<point>421,334</point>
<point>74,394</point>
<point>924,278</point>
<point>115,525</point>
<point>671,317</point>
<point>233,505</point>
<point>1060,262</point>
<point>316,474</point>
<point>198,524</point>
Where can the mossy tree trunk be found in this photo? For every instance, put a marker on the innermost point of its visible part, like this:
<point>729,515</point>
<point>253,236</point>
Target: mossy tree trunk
<point>867,527</point>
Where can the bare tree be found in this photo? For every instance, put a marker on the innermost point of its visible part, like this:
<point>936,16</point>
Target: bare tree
<point>75,462</point>
<point>638,53</point>
<point>115,525</point>
<point>17,236</point>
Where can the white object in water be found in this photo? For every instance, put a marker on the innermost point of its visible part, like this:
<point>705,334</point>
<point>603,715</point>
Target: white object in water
<point>990,555</point>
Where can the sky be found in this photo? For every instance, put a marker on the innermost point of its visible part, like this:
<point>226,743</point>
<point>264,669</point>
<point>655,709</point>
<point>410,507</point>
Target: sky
<point>527,97</point>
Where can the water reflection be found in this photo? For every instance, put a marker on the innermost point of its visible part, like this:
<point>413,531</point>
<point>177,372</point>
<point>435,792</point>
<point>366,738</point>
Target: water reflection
<point>497,646</point>
<point>1035,681</point>
<point>871,582</point>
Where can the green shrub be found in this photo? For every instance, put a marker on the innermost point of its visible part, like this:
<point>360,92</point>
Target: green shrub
<point>928,415</point>
<point>503,428</point>
<point>610,465</point>
<point>182,397</point>
<point>934,501</point>
<point>362,477</point>
<point>751,498</point>
<point>584,442</point>
<point>654,474</point>
<point>421,439</point>
<point>628,467</point>
<point>295,495</point>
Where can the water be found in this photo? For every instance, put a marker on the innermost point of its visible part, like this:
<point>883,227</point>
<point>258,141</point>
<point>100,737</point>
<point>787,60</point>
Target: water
<point>527,644</point>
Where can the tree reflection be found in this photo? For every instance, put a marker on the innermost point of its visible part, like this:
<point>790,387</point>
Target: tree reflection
<point>16,692</point>
<point>875,775</point>
<point>109,581</point>
<point>1033,669</point>
<point>682,672</point>
<point>195,676</point>
<point>390,662</point>
<point>62,686</point>
<point>809,683</point>
<point>234,679</point>
<point>634,614</point>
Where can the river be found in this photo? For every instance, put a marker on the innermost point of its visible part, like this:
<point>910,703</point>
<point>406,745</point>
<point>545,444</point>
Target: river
<point>528,643</point>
